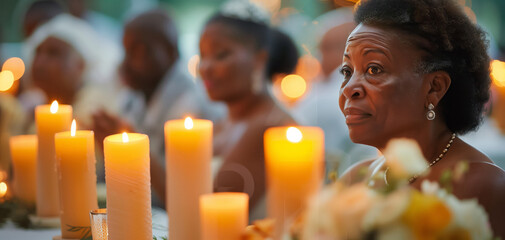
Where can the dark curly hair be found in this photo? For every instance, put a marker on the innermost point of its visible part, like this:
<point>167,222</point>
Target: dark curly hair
<point>452,43</point>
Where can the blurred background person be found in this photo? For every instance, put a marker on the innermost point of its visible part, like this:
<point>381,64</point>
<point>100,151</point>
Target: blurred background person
<point>67,62</point>
<point>161,89</point>
<point>234,49</point>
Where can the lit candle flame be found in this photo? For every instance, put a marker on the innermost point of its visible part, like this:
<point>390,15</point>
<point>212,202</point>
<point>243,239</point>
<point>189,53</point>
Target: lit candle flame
<point>188,123</point>
<point>54,107</point>
<point>294,135</point>
<point>3,189</point>
<point>125,137</point>
<point>73,128</point>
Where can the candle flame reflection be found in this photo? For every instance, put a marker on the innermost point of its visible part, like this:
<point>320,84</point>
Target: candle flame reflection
<point>73,128</point>
<point>294,135</point>
<point>498,73</point>
<point>54,107</point>
<point>125,137</point>
<point>188,123</point>
<point>3,189</point>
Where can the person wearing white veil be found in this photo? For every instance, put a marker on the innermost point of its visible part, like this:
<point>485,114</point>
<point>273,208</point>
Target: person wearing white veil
<point>70,63</point>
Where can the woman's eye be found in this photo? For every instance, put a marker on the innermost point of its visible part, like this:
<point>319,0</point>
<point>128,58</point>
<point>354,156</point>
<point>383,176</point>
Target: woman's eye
<point>346,72</point>
<point>373,70</point>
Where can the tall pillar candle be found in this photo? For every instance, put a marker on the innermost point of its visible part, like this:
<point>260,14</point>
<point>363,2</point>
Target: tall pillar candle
<point>188,155</point>
<point>294,165</point>
<point>128,182</point>
<point>223,215</point>
<point>49,119</point>
<point>23,150</point>
<point>75,161</point>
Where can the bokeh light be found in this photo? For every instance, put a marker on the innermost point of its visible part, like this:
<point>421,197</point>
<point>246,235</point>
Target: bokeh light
<point>193,65</point>
<point>16,66</point>
<point>308,67</point>
<point>3,189</point>
<point>293,86</point>
<point>272,6</point>
<point>498,73</point>
<point>6,80</point>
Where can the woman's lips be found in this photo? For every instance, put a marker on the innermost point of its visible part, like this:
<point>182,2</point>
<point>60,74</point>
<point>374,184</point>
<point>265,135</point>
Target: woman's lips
<point>355,116</point>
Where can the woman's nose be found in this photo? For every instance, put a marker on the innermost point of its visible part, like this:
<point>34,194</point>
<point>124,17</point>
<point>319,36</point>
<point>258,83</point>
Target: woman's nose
<point>354,88</point>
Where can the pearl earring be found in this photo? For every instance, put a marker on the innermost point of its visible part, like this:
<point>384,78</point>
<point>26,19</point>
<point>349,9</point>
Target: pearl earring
<point>430,115</point>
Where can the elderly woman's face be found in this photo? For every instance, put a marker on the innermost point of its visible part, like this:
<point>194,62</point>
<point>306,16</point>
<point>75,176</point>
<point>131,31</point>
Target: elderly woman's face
<point>57,69</point>
<point>226,65</point>
<point>382,96</point>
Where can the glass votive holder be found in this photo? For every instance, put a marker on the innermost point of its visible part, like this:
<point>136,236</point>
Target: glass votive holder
<point>98,219</point>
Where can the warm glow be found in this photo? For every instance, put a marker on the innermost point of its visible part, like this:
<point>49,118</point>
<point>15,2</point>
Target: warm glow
<point>294,135</point>
<point>16,66</point>
<point>73,128</point>
<point>272,6</point>
<point>193,65</point>
<point>498,73</point>
<point>308,66</point>
<point>293,86</point>
<point>125,137</point>
<point>188,123</point>
<point>54,107</point>
<point>6,80</point>
<point>3,175</point>
<point>3,189</point>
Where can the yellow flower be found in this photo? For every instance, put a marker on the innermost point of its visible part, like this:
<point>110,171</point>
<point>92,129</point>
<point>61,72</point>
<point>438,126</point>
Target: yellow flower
<point>427,216</point>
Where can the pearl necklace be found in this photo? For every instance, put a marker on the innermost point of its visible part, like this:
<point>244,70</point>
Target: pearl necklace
<point>414,178</point>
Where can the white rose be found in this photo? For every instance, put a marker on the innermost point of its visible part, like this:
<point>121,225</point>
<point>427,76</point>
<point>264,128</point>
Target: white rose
<point>404,158</point>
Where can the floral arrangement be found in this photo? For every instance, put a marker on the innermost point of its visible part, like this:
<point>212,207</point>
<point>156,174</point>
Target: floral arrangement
<point>392,211</point>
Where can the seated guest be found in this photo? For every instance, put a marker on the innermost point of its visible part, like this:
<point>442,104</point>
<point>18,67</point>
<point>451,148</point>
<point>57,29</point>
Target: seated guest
<point>66,62</point>
<point>419,69</point>
<point>234,52</point>
<point>151,68</point>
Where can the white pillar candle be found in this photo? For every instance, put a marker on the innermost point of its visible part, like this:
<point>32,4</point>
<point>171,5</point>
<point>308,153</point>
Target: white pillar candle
<point>128,181</point>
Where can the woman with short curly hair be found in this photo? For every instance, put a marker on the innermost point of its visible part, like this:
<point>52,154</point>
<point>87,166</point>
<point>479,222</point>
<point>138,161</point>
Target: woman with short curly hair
<point>419,69</point>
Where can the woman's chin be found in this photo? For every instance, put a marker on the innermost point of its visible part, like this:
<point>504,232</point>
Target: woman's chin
<point>360,136</point>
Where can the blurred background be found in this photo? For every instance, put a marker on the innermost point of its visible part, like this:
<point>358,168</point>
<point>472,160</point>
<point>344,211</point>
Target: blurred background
<point>190,15</point>
<point>305,21</point>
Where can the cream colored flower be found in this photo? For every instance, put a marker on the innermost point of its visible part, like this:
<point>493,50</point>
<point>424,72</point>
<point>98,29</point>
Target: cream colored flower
<point>431,188</point>
<point>339,215</point>
<point>469,215</point>
<point>404,158</point>
<point>387,209</point>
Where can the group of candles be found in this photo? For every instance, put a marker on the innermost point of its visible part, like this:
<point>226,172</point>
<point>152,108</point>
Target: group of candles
<point>65,184</point>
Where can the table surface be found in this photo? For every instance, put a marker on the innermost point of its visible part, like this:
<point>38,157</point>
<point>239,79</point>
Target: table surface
<point>10,232</point>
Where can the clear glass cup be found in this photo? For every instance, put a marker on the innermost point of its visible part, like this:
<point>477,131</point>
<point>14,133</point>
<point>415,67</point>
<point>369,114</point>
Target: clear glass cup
<point>98,219</point>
